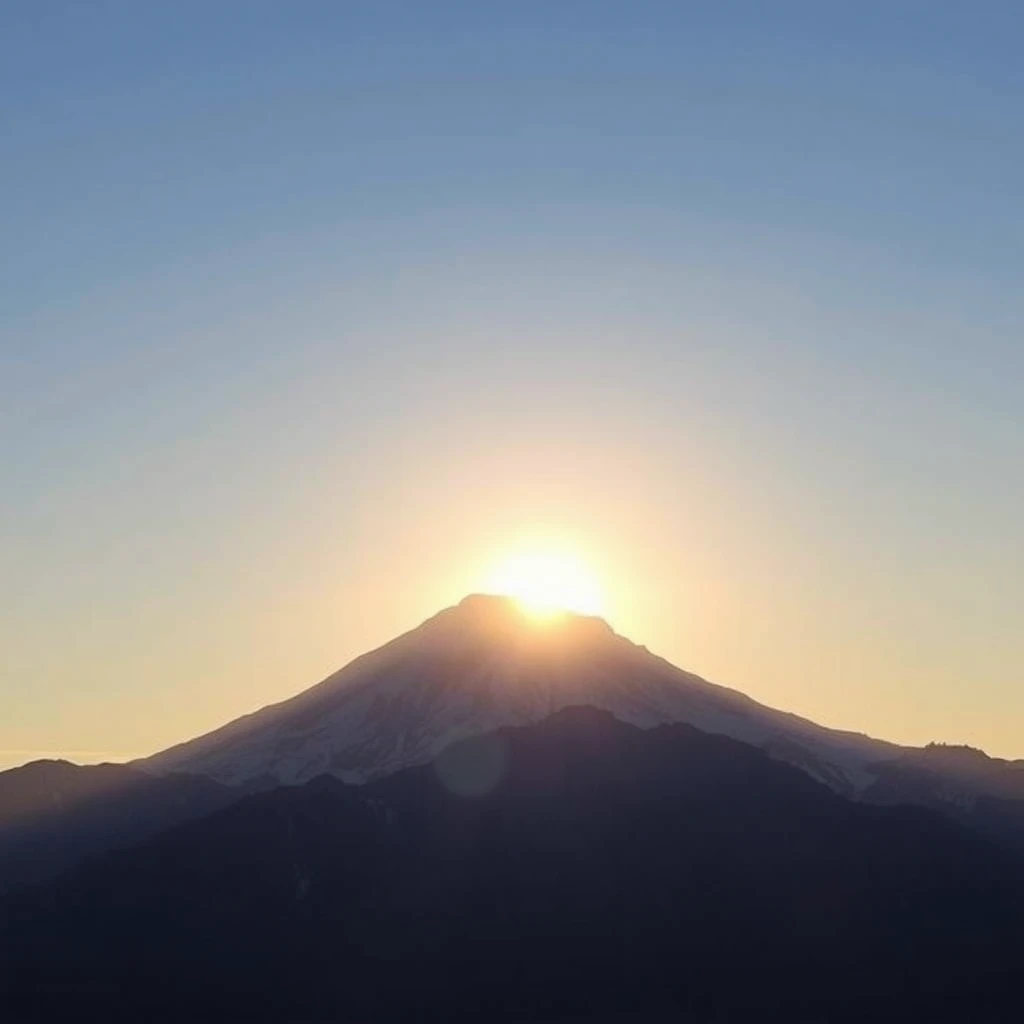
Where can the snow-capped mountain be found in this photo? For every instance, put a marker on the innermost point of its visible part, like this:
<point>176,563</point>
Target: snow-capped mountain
<point>482,665</point>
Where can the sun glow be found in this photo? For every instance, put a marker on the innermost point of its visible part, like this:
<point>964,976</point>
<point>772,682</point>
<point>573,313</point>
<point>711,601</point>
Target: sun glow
<point>547,583</point>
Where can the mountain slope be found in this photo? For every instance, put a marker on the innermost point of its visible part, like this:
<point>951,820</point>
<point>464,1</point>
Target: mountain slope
<point>482,665</point>
<point>53,813</point>
<point>578,868</point>
<point>982,792</point>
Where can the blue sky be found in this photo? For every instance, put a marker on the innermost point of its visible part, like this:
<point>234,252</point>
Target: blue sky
<point>309,308</point>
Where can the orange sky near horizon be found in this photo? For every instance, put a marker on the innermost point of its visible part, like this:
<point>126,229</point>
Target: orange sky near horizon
<point>789,634</point>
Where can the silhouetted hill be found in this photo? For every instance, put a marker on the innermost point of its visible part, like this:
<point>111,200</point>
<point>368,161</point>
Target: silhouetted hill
<point>54,813</point>
<point>576,869</point>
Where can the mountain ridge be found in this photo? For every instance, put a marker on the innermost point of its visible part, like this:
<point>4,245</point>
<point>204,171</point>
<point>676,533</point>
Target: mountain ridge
<point>54,813</point>
<point>602,872</point>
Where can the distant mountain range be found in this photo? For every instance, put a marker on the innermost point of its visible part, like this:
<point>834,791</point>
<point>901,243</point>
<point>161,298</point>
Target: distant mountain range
<point>491,818</point>
<point>575,869</point>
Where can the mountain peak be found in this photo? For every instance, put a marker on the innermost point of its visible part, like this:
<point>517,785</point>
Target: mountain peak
<point>508,613</point>
<point>487,603</point>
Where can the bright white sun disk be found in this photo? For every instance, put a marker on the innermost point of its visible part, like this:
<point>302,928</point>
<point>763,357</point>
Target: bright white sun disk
<point>545,583</point>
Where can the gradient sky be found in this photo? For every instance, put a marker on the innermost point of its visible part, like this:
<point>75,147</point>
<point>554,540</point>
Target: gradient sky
<point>310,311</point>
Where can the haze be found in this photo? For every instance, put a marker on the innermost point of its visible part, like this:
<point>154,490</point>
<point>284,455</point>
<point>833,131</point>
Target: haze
<point>313,313</point>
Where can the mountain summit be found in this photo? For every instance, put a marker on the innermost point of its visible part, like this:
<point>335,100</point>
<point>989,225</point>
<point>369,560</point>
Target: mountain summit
<point>482,665</point>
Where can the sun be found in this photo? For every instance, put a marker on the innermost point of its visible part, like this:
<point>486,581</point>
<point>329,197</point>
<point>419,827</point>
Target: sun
<point>548,583</point>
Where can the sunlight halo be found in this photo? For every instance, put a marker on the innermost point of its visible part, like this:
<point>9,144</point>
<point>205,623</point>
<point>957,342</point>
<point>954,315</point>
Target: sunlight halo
<point>546,583</point>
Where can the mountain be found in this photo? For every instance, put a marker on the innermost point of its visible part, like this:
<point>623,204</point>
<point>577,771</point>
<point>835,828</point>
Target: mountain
<point>985,793</point>
<point>578,868</point>
<point>485,664</point>
<point>467,671</point>
<point>53,813</point>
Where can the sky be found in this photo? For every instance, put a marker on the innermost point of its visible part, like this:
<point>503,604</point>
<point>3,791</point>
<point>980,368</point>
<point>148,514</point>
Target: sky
<point>311,312</point>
